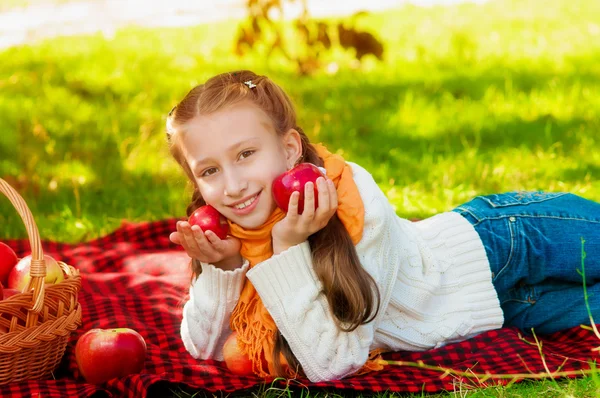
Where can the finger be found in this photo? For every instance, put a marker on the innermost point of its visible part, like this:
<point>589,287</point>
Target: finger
<point>323,192</point>
<point>208,242</point>
<point>191,238</point>
<point>182,239</point>
<point>333,198</point>
<point>293,205</point>
<point>309,201</point>
<point>214,240</point>
<point>175,238</point>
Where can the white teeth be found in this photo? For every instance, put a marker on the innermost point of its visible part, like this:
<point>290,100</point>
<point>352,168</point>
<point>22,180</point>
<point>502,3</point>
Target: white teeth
<point>246,203</point>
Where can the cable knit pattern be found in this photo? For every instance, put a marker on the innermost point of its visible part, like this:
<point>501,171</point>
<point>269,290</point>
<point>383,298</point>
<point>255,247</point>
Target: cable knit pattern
<point>213,296</point>
<point>446,295</point>
<point>302,314</point>
<point>433,277</point>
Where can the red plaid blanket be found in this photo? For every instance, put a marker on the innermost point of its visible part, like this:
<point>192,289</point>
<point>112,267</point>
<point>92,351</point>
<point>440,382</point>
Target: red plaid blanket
<point>136,278</point>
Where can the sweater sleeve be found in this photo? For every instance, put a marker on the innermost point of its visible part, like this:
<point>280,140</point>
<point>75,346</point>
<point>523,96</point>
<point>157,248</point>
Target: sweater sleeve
<point>292,293</point>
<point>213,296</point>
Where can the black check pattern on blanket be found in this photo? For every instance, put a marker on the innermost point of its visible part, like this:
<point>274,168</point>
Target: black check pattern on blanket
<point>136,278</point>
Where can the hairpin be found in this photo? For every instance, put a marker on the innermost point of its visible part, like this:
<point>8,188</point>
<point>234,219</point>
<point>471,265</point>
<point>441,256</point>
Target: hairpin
<point>250,84</point>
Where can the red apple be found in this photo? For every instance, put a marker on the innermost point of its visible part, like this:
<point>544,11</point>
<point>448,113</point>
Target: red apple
<point>236,362</point>
<point>209,219</point>
<point>104,354</point>
<point>8,259</point>
<point>294,180</point>
<point>7,292</point>
<point>19,276</point>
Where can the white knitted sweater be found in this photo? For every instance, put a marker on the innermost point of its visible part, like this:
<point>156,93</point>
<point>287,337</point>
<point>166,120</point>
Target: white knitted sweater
<point>433,277</point>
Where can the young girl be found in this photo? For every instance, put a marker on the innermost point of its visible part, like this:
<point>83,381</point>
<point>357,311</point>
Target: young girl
<point>325,291</point>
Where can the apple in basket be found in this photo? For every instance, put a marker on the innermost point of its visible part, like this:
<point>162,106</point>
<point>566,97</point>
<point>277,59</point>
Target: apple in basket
<point>19,276</point>
<point>104,354</point>
<point>8,292</point>
<point>209,219</point>
<point>8,259</point>
<point>294,180</point>
<point>236,362</point>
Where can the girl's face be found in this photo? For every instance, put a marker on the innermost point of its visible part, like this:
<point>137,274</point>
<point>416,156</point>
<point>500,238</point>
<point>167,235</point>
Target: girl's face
<point>235,154</point>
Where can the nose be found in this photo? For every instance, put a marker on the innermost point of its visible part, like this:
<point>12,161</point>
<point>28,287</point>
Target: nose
<point>235,184</point>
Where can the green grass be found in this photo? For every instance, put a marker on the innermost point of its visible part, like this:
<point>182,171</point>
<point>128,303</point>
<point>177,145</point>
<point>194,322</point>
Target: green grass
<point>580,388</point>
<point>470,100</point>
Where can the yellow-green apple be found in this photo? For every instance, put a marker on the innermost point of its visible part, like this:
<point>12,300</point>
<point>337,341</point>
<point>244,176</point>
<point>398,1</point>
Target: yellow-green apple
<point>236,361</point>
<point>104,354</point>
<point>209,219</point>
<point>292,181</point>
<point>19,276</point>
<point>8,259</point>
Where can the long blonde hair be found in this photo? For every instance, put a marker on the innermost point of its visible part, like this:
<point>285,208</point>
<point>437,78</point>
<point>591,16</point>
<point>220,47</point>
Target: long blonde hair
<point>351,292</point>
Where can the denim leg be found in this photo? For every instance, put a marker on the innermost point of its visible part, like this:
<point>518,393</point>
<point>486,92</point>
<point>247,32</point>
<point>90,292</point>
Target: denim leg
<point>533,243</point>
<point>551,249</point>
<point>541,312</point>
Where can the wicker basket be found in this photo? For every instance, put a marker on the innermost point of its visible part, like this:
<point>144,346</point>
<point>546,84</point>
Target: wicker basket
<point>36,325</point>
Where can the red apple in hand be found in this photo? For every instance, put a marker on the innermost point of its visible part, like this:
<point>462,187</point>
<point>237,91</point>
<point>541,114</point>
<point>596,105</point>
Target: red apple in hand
<point>209,219</point>
<point>103,354</point>
<point>8,259</point>
<point>236,362</point>
<point>295,180</point>
<point>19,276</point>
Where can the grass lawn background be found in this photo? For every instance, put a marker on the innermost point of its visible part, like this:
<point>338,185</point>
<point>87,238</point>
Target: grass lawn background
<point>471,99</point>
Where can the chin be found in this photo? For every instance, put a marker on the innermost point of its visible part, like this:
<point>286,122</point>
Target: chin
<point>254,220</point>
<point>251,222</point>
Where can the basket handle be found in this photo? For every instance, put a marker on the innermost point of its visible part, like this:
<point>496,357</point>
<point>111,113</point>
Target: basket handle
<point>38,264</point>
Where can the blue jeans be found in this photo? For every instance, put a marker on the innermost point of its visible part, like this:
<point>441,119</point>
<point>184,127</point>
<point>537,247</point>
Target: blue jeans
<point>533,243</point>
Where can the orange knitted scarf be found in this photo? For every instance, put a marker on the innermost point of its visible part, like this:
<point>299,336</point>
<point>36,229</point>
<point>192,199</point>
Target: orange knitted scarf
<point>250,319</point>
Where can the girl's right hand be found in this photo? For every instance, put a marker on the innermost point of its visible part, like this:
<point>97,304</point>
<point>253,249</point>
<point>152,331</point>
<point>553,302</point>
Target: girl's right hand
<point>207,247</point>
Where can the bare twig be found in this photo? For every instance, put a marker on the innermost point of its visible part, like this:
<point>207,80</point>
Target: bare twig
<point>585,293</point>
<point>485,376</point>
<point>538,343</point>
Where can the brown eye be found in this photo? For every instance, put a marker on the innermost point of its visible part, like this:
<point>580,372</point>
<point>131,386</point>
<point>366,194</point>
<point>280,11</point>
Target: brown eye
<point>209,172</point>
<point>245,154</point>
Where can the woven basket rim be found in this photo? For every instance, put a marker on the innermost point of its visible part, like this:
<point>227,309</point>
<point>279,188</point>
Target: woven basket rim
<point>43,317</point>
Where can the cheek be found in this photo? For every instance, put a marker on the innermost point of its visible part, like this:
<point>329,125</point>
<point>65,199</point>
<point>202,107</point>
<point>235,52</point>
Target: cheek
<point>210,192</point>
<point>265,172</point>
<point>277,167</point>
<point>271,175</point>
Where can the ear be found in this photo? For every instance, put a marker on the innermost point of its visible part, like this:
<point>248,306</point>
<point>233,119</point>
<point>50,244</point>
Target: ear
<point>292,145</point>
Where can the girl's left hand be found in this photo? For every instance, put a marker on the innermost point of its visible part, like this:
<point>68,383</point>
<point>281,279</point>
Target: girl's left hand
<point>296,228</point>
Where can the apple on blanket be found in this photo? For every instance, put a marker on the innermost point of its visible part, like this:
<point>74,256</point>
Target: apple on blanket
<point>105,354</point>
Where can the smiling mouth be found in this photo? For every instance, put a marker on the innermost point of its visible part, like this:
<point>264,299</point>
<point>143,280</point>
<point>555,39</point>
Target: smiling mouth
<point>246,203</point>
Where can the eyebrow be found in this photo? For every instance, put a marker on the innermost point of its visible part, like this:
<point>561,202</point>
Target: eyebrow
<point>200,162</point>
